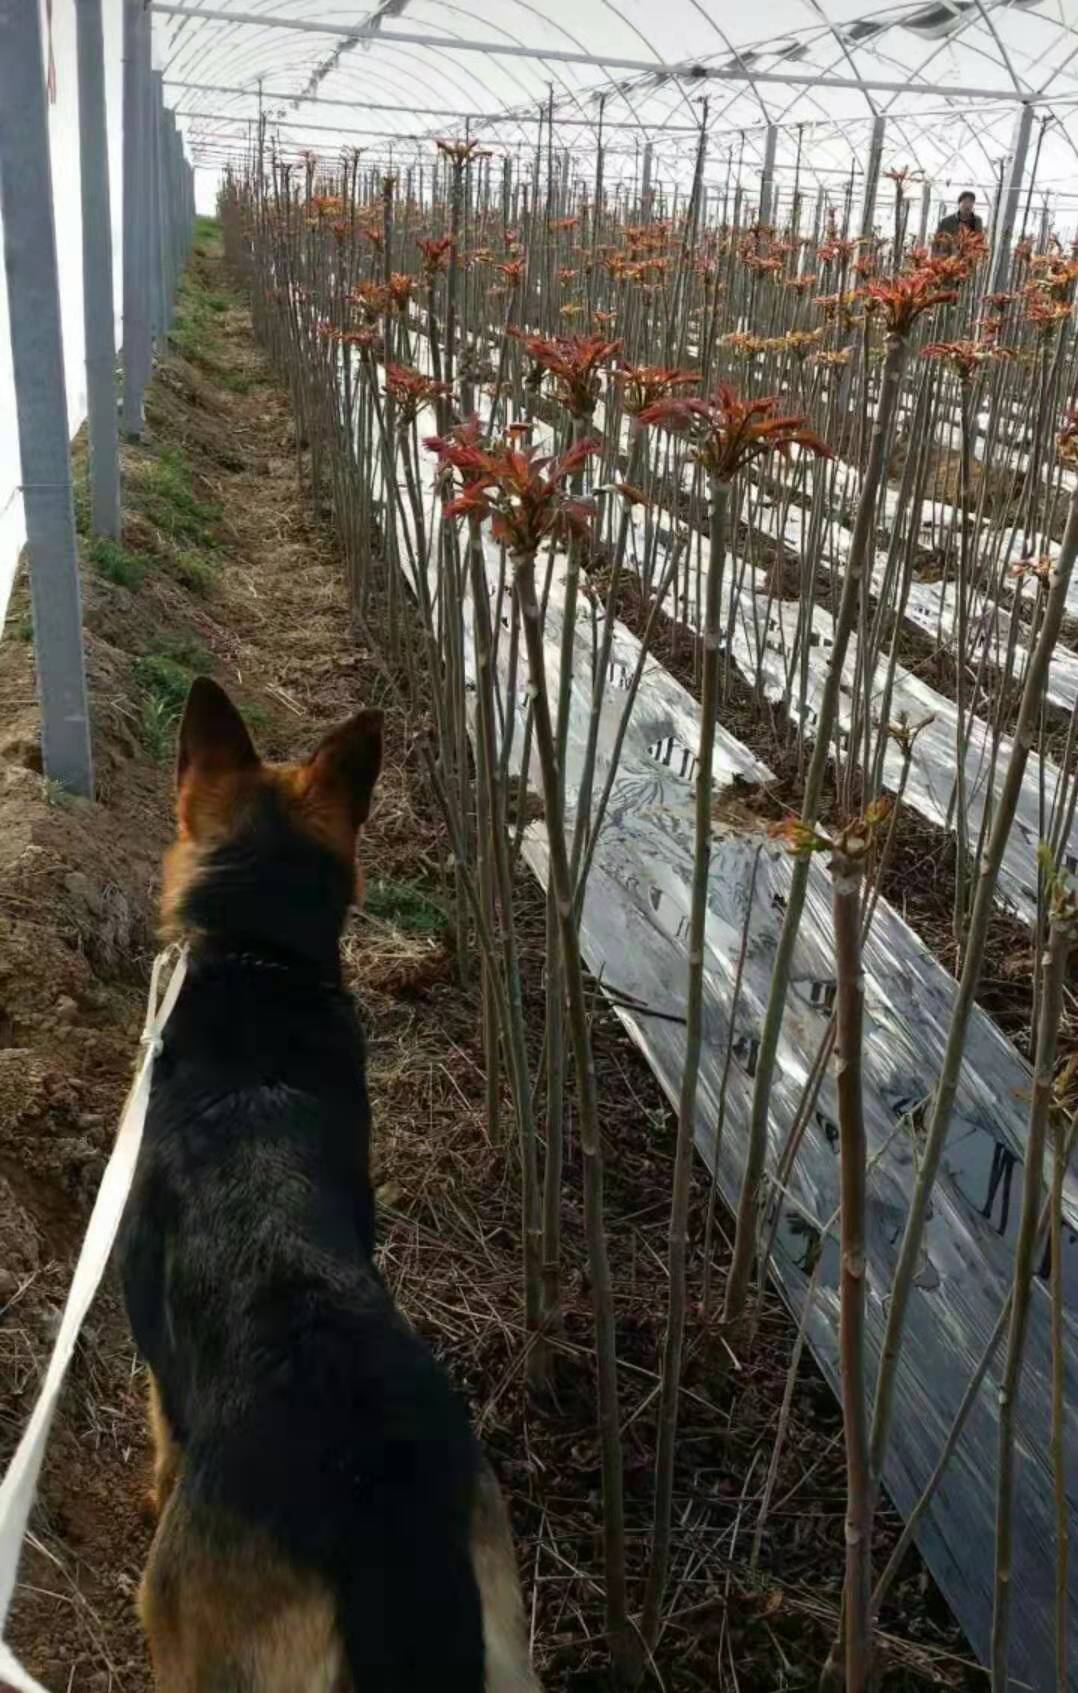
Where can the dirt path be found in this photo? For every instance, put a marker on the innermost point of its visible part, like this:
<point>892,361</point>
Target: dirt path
<point>224,568</point>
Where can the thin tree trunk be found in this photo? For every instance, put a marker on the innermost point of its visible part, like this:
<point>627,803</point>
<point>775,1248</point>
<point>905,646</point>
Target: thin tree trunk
<point>690,1076</point>
<point>744,1240</point>
<point>1059,1470</point>
<point>622,1650</point>
<point>847,872</point>
<point>512,1009</point>
<point>1061,940</point>
<point>947,1087</point>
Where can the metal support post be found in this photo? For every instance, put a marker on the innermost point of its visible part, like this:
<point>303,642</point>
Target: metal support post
<point>179,238</point>
<point>926,208</point>
<point>136,342</point>
<point>172,221</point>
<point>33,289</point>
<point>872,177</point>
<point>767,178</point>
<point>817,219</point>
<point>604,62</point>
<point>160,251</point>
<point>1010,194</point>
<point>152,235</point>
<point>168,170</point>
<point>645,186</point>
<point>97,295</point>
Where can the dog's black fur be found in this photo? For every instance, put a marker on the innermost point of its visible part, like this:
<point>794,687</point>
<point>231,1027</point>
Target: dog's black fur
<point>302,1405</point>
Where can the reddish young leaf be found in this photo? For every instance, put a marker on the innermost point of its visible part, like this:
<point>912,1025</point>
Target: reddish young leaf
<point>728,432</point>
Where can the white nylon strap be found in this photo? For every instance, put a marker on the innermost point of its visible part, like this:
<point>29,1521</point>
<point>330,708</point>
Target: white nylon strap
<point>20,1483</point>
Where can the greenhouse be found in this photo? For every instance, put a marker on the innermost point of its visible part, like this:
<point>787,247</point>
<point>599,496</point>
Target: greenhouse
<point>622,1229</point>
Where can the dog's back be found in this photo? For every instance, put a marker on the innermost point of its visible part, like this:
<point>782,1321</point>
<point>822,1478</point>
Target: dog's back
<point>327,1520</point>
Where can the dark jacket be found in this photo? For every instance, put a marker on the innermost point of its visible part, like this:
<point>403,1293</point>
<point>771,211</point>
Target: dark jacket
<point>951,225</point>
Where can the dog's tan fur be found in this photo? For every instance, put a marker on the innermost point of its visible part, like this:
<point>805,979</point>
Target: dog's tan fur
<point>223,1609</point>
<point>244,1619</point>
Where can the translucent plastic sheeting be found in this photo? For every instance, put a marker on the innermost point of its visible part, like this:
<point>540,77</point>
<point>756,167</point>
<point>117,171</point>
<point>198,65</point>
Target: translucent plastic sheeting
<point>946,77</point>
<point>64,153</point>
<point>634,934</point>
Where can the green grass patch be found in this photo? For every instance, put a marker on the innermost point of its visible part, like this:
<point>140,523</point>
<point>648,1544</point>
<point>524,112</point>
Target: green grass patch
<point>21,627</point>
<point>166,494</point>
<point>196,327</point>
<point>189,651</point>
<point>80,493</point>
<point>256,717</point>
<point>115,563</point>
<point>235,381</point>
<point>406,906</point>
<point>164,683</point>
<point>57,795</point>
<point>194,570</point>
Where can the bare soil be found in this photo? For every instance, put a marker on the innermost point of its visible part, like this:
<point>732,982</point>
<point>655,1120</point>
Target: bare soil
<point>258,598</point>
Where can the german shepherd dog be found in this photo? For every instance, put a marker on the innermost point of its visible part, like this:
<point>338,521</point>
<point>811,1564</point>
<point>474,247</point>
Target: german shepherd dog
<point>327,1522</point>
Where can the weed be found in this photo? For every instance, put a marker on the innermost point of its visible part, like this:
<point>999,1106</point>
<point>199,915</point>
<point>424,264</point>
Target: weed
<point>156,728</point>
<point>164,683</point>
<point>189,651</point>
<point>256,717</point>
<point>186,338</point>
<point>235,381</point>
<point>56,794</point>
<point>80,494</point>
<point>165,494</point>
<point>194,329</point>
<point>406,905</point>
<point>166,678</point>
<point>115,563</point>
<point>193,570</point>
<point>21,628</point>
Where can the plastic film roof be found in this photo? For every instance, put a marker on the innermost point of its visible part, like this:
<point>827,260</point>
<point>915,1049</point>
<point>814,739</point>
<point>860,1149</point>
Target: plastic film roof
<point>947,75</point>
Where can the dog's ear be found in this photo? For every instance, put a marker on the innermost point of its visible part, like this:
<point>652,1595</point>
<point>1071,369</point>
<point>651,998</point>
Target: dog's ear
<point>213,736</point>
<point>346,764</point>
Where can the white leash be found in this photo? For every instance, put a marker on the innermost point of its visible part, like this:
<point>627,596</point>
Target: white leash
<point>20,1483</point>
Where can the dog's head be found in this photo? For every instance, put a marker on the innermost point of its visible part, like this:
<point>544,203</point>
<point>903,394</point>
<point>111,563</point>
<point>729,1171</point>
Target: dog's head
<point>266,850</point>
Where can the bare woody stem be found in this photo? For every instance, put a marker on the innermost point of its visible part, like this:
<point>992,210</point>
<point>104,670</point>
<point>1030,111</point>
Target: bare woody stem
<point>969,1398</point>
<point>1061,939</point>
<point>679,1208</point>
<point>493,826</point>
<point>847,873</point>
<point>984,897</point>
<point>1058,1443</point>
<point>755,1153</point>
<point>617,1623</point>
